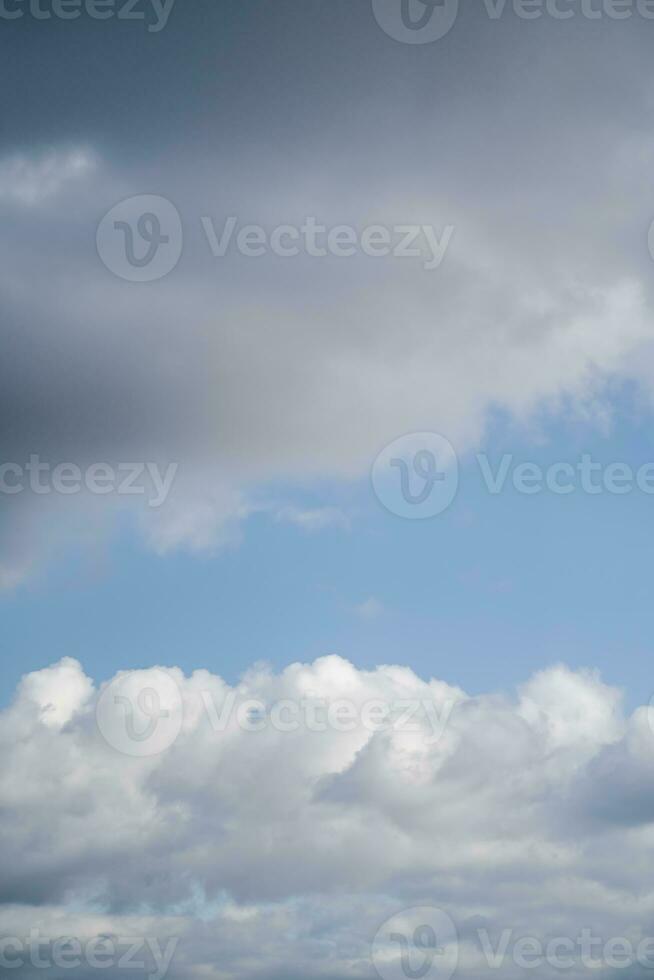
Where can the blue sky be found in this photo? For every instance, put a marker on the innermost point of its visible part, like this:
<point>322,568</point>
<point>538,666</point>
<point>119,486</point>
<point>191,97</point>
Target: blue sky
<point>481,595</point>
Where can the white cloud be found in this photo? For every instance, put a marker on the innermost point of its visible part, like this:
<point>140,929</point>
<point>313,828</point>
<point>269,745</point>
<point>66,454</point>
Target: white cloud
<point>278,853</point>
<point>201,515</point>
<point>58,692</point>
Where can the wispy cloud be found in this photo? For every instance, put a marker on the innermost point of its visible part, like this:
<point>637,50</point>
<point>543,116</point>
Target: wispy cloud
<point>31,179</point>
<point>372,608</point>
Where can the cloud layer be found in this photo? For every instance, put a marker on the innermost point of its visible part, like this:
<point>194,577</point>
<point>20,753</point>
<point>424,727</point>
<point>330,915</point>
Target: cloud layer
<point>254,371</point>
<point>278,850</point>
<point>526,138</point>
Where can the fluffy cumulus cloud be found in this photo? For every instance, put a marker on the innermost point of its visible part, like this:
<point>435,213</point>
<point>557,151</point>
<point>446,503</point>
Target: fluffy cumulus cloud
<point>270,829</point>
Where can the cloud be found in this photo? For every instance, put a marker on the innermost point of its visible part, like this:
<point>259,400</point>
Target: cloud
<point>202,515</point>
<point>370,609</point>
<point>298,371</point>
<point>30,179</point>
<point>278,850</point>
<point>228,367</point>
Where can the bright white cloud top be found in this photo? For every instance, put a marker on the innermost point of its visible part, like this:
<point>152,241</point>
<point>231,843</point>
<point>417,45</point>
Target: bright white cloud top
<point>282,823</point>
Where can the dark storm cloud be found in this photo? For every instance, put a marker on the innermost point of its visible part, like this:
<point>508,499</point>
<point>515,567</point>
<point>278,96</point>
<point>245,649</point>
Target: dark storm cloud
<point>525,137</point>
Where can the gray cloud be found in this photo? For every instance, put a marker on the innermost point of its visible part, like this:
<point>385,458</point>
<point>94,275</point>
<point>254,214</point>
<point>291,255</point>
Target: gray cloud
<point>526,137</point>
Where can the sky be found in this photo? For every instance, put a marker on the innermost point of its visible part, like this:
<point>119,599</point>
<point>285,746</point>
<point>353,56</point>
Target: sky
<point>327,376</point>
